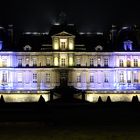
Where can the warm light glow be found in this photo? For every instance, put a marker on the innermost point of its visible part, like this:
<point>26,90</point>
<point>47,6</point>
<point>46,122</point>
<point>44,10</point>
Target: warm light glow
<point>63,44</point>
<point>70,61</point>
<point>24,97</point>
<point>56,61</point>
<point>89,97</point>
<point>71,44</point>
<point>129,75</point>
<point>55,44</point>
<point>92,97</point>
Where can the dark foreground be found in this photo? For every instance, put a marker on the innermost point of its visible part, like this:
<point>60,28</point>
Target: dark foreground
<point>70,121</point>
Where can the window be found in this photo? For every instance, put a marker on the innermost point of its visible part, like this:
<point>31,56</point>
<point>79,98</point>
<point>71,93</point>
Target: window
<point>19,77</point>
<point>121,77</point>
<point>121,63</point>
<point>48,62</point>
<point>135,77</point>
<point>34,62</point>
<point>91,62</point>
<point>47,77</point>
<point>128,63</point>
<point>78,62</point>
<point>4,62</point>
<point>127,45</point>
<point>19,62</point>
<point>63,62</point>
<point>4,77</point>
<point>135,62</point>
<point>128,76</point>
<point>91,79</point>
<point>106,62</point>
<point>99,62</point>
<point>63,44</point>
<point>34,77</point>
<point>78,78</point>
<point>105,78</point>
<point>1,44</point>
<point>27,62</point>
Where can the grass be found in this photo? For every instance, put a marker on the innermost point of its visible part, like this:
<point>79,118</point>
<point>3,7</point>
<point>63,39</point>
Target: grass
<point>45,132</point>
<point>70,121</point>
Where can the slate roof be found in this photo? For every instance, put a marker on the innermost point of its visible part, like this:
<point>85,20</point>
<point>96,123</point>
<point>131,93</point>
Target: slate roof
<point>83,41</point>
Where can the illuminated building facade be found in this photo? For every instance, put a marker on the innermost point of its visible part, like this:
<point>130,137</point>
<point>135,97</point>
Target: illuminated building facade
<point>99,63</point>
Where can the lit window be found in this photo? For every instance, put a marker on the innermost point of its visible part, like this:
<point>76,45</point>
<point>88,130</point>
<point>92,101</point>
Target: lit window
<point>47,77</point>
<point>19,62</point>
<point>78,78</point>
<point>78,61</point>
<point>34,77</point>
<point>4,77</point>
<point>91,62</point>
<point>135,62</point>
<point>63,61</point>
<point>99,62</point>
<point>128,45</point>
<point>63,44</point>
<point>19,77</point>
<point>27,62</point>
<point>91,79</point>
<point>135,77</point>
<point>128,63</point>
<point>121,77</point>
<point>4,62</point>
<point>121,63</point>
<point>48,62</point>
<point>129,77</point>
<point>105,78</point>
<point>34,62</point>
<point>106,62</point>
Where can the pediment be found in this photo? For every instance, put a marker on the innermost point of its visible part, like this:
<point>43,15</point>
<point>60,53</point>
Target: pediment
<point>63,34</point>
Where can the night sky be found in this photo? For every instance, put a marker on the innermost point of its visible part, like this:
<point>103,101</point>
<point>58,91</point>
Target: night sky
<point>88,15</point>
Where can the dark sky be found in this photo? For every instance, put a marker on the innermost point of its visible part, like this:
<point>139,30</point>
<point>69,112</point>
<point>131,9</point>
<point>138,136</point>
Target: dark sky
<point>88,15</point>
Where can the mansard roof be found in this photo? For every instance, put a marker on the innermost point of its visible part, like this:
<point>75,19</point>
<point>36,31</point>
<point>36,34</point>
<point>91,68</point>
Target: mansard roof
<point>90,42</point>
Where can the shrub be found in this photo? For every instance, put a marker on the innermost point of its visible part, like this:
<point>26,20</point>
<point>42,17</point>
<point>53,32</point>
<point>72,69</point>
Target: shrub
<point>100,99</point>
<point>41,99</point>
<point>135,99</point>
<point>108,99</point>
<point>2,99</point>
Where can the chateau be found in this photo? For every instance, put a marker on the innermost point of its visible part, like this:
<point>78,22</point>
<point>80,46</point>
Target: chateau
<point>101,64</point>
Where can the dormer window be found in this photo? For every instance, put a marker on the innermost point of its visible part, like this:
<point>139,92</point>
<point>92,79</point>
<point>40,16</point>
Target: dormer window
<point>63,41</point>
<point>128,45</point>
<point>99,48</point>
<point>1,44</point>
<point>63,44</point>
<point>27,48</point>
